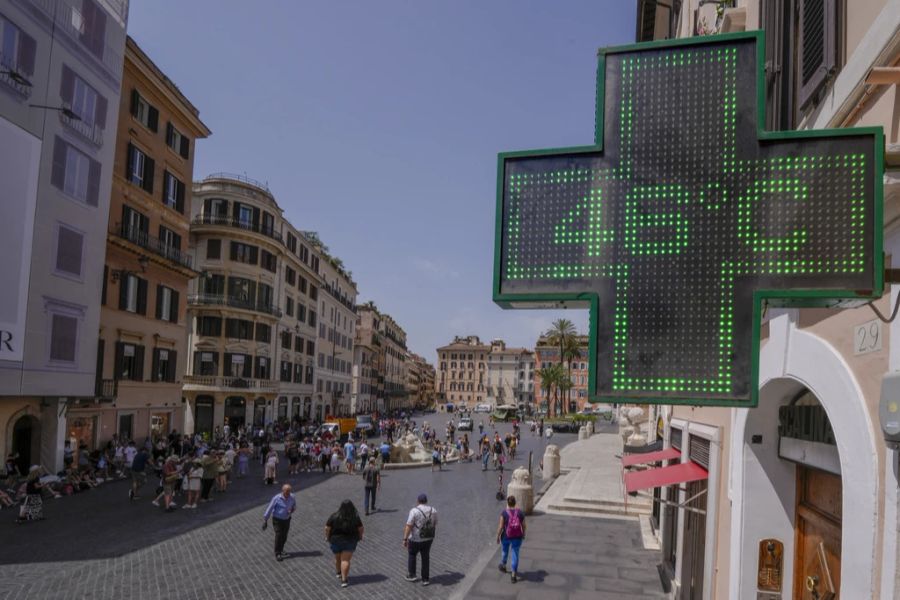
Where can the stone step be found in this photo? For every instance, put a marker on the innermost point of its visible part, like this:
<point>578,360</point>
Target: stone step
<point>604,502</point>
<point>597,509</point>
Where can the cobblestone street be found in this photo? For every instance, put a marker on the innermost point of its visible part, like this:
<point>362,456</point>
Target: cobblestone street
<point>98,545</point>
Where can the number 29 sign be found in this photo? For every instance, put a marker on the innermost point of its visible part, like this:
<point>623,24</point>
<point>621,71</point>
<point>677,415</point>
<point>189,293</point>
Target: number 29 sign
<point>684,217</point>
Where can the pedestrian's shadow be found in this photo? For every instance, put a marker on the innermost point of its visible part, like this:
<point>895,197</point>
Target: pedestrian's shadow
<point>303,554</point>
<point>535,576</point>
<point>386,510</point>
<point>448,578</point>
<point>367,578</point>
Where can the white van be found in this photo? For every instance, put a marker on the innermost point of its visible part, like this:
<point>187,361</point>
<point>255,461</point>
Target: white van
<point>483,408</point>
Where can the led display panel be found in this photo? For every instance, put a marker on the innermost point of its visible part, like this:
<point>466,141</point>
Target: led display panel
<point>684,218</point>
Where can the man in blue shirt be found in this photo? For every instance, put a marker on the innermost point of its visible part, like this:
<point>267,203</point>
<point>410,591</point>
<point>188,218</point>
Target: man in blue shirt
<point>138,473</point>
<point>280,509</point>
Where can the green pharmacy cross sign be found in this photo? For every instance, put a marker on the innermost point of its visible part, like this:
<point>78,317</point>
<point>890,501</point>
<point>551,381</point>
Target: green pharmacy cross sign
<point>684,218</point>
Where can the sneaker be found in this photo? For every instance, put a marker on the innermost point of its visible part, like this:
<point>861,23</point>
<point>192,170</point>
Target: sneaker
<point>155,503</point>
<point>411,578</point>
<point>345,584</point>
<point>513,577</point>
<point>425,582</point>
<point>172,504</point>
<point>502,568</point>
<point>279,557</point>
<point>186,506</point>
<point>338,574</point>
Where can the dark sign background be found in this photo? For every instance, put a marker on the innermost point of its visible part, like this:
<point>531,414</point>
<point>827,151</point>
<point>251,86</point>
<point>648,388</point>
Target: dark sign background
<point>682,216</point>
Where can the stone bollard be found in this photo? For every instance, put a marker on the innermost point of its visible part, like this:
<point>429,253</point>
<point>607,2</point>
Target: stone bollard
<point>521,488</point>
<point>590,428</point>
<point>550,462</point>
<point>583,433</point>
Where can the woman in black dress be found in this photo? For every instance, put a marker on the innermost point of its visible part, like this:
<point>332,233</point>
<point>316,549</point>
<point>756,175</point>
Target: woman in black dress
<point>343,530</point>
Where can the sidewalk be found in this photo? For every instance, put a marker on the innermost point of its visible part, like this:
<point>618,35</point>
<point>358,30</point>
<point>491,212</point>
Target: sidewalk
<point>568,557</point>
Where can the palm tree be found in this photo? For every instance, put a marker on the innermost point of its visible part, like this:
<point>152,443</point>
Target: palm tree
<point>564,386</point>
<point>559,335</point>
<point>552,377</point>
<point>571,352</point>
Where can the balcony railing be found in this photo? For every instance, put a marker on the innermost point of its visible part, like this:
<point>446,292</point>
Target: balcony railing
<point>70,20</point>
<point>90,132</point>
<point>106,388</point>
<point>234,302</point>
<point>232,222</point>
<point>233,383</point>
<point>135,235</point>
<point>15,82</point>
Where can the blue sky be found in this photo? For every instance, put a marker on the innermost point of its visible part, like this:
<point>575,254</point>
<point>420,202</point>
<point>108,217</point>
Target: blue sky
<point>378,123</point>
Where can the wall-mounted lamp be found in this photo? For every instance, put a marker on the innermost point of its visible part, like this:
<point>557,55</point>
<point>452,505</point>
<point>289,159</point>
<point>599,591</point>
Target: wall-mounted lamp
<point>17,77</point>
<point>117,275</point>
<point>65,110</point>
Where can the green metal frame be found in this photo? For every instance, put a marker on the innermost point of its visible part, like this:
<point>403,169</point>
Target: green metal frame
<point>799,297</point>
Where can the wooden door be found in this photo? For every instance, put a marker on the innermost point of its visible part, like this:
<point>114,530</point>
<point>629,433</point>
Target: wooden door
<point>817,562</point>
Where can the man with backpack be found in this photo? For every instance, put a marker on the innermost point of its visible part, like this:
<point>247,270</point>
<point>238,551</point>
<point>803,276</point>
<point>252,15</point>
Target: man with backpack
<point>372,478</point>
<point>510,533</point>
<point>418,534</point>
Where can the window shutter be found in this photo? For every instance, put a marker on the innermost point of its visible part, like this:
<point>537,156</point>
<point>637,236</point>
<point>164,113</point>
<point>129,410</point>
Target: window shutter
<point>248,367</point>
<point>152,118</point>
<point>236,210</point>
<point>135,100</point>
<point>93,189</point>
<point>103,287</point>
<point>149,172</point>
<point>142,296</point>
<point>213,249</point>
<point>234,248</point>
<point>173,310</point>
<point>226,362</point>
<point>58,174</point>
<point>67,85</point>
<point>254,255</point>
<point>255,218</point>
<point>185,149</point>
<point>27,50</point>
<point>129,161</point>
<point>138,363</point>
<point>123,293</point>
<point>100,112</point>
<point>179,197</point>
<point>197,362</point>
<point>699,451</point>
<point>155,365</point>
<point>207,207</point>
<point>169,132</point>
<point>159,297</point>
<point>120,353</point>
<point>818,47</point>
<point>176,241</point>
<point>173,366</point>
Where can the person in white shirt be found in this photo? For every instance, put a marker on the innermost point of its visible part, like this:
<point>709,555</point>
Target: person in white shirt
<point>130,453</point>
<point>418,534</point>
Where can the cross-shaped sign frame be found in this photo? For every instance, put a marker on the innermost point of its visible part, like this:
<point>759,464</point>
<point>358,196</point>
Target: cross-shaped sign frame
<point>773,297</point>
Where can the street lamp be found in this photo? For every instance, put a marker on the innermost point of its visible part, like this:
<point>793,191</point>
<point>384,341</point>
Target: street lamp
<point>65,110</point>
<point>17,77</point>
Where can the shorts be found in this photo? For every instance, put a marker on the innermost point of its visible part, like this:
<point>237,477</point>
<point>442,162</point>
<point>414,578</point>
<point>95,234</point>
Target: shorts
<point>293,460</point>
<point>139,477</point>
<point>435,461</point>
<point>338,547</point>
<point>169,488</point>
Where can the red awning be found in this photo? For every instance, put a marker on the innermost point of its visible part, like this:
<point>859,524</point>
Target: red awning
<point>629,460</point>
<point>651,478</point>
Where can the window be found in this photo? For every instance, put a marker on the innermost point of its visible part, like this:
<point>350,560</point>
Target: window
<point>91,22</point>
<point>239,329</point>
<point>310,347</point>
<point>164,362</point>
<point>213,285</point>
<point>298,373</point>
<point>309,374</point>
<point>69,245</point>
<point>242,290</point>
<point>63,338</point>
<point>177,142</point>
<point>139,169</point>
<point>238,365</point>
<point>262,368</point>
<point>213,249</point>
<point>286,340</point>
<point>173,192</point>
<point>289,306</point>
<point>129,362</point>
<point>301,284</point>
<point>133,294</point>
<point>244,216</point>
<point>290,275</point>
<point>264,300</point>
<point>263,333</point>
<point>244,253</point>
<point>82,99</point>
<point>215,208</point>
<point>269,262</point>
<point>268,224</point>
<point>17,49</point>
<point>75,173</point>
<point>285,374</point>
<point>321,360</point>
<point>298,344</point>
<point>312,318</point>
<point>301,312</point>
<point>206,363</point>
<point>170,241</point>
<point>144,112</point>
<point>304,254</point>
<point>135,226</point>
<point>166,304</point>
<point>292,242</point>
<point>313,292</point>
<point>210,326</point>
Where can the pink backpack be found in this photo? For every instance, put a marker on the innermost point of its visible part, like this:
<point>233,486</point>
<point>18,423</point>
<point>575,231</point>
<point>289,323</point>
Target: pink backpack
<point>514,524</point>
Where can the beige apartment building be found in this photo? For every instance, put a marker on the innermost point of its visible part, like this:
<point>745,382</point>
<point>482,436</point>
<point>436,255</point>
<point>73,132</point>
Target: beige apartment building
<point>60,80</point>
<point>142,347</point>
<point>337,322</point>
<point>394,349</point>
<point>367,392</point>
<point>510,375</point>
<point>789,511</point>
<point>461,376</point>
<point>419,381</point>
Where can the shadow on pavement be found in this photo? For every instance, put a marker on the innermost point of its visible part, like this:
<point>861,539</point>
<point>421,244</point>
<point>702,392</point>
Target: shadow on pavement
<point>303,554</point>
<point>368,578</point>
<point>535,576</point>
<point>106,524</point>
<point>448,578</point>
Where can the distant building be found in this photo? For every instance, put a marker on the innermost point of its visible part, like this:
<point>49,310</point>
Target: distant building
<point>461,376</point>
<point>420,381</point>
<point>381,368</point>
<point>510,375</point>
<point>60,81</point>
<point>547,354</point>
<point>337,321</point>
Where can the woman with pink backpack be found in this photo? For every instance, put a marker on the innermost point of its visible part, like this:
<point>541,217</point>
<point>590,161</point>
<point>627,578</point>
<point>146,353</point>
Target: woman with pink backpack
<point>510,533</point>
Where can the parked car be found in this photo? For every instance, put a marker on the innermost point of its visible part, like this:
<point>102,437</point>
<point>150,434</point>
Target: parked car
<point>465,424</point>
<point>565,426</point>
<point>365,423</point>
<point>483,408</point>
